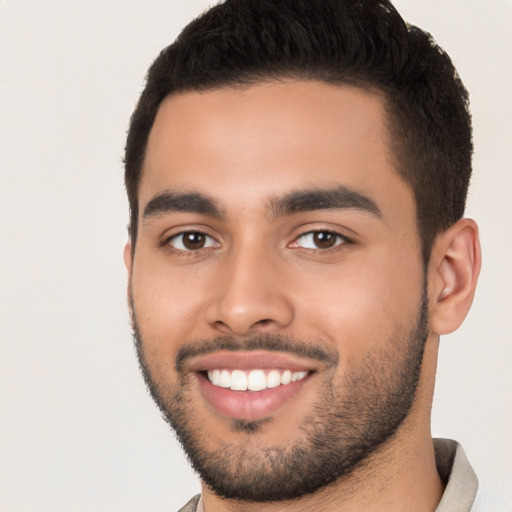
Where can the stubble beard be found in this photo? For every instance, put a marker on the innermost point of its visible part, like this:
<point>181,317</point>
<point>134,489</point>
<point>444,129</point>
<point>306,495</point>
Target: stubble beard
<point>350,421</point>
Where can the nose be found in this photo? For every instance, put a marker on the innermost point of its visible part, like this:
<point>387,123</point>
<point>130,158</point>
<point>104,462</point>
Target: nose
<point>250,296</point>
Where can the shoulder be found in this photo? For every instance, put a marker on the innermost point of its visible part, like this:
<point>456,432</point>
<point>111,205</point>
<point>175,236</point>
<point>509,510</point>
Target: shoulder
<point>462,490</point>
<point>460,481</point>
<point>191,506</point>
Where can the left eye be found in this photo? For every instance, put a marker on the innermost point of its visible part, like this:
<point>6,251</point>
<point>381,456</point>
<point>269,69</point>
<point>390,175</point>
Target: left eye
<point>191,241</point>
<point>319,240</point>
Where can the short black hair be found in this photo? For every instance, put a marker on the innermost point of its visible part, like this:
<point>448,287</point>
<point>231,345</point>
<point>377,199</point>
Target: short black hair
<point>363,43</point>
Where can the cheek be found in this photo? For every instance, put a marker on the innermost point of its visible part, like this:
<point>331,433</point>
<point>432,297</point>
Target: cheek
<point>168,304</point>
<point>359,306</point>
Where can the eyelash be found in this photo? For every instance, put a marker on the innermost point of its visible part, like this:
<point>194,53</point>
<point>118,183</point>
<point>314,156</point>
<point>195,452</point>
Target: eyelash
<point>340,240</point>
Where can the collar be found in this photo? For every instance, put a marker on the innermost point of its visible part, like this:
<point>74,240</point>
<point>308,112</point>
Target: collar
<point>457,474</point>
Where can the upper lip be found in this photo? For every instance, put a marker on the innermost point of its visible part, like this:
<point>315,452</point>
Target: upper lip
<point>243,360</point>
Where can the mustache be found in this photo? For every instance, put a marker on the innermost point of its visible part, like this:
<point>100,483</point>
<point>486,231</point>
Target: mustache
<point>267,341</point>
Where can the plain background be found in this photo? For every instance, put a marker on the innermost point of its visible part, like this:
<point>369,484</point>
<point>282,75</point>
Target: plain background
<point>78,431</point>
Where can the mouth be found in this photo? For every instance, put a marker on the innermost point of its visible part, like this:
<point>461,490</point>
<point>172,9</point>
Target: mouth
<point>250,386</point>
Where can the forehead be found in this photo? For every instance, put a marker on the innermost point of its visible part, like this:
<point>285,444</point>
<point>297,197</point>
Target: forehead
<point>245,144</point>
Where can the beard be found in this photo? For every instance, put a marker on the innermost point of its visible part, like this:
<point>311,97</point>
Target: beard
<point>359,411</point>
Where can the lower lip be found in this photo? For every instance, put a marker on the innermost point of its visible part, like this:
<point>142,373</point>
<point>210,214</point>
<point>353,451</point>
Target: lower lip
<point>249,405</point>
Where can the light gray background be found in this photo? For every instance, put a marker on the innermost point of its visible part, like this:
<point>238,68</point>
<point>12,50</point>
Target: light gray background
<point>77,430</point>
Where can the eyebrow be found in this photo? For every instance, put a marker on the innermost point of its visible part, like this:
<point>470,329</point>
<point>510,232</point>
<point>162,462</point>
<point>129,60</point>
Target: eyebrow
<point>190,202</point>
<point>340,197</point>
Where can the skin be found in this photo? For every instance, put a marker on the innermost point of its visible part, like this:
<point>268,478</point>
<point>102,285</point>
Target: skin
<point>259,272</point>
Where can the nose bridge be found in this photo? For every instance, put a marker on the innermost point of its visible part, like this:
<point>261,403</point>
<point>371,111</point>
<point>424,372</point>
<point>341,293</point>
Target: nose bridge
<point>251,296</point>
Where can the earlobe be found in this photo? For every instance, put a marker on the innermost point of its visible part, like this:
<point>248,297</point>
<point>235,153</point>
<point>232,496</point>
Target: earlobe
<point>453,270</point>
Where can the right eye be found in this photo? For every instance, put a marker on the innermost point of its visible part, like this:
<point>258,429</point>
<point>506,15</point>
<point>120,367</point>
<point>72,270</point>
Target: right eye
<point>191,241</point>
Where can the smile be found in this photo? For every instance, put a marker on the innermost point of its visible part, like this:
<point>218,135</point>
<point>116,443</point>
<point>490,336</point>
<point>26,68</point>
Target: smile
<point>252,385</point>
<point>253,380</point>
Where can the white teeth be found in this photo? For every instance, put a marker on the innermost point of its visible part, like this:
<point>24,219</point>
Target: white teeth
<point>298,376</point>
<point>225,379</point>
<point>211,376</point>
<point>254,380</point>
<point>286,378</point>
<point>238,381</point>
<point>273,379</point>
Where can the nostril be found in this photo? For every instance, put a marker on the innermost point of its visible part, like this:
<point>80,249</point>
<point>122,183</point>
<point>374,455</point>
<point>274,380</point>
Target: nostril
<point>222,325</point>
<point>265,321</point>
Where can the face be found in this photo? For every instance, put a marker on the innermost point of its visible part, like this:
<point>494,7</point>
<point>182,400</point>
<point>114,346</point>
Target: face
<point>277,286</point>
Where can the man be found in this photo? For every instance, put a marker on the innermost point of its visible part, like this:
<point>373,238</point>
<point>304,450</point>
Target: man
<point>297,173</point>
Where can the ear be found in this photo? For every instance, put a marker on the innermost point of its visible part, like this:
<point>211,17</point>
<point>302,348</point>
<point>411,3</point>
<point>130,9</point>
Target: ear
<point>127,256</point>
<point>453,273</point>
<point>128,261</point>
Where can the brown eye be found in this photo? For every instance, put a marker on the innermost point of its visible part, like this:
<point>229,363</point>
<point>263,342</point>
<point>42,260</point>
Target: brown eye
<point>191,241</point>
<point>324,239</point>
<point>194,240</point>
<point>320,240</point>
